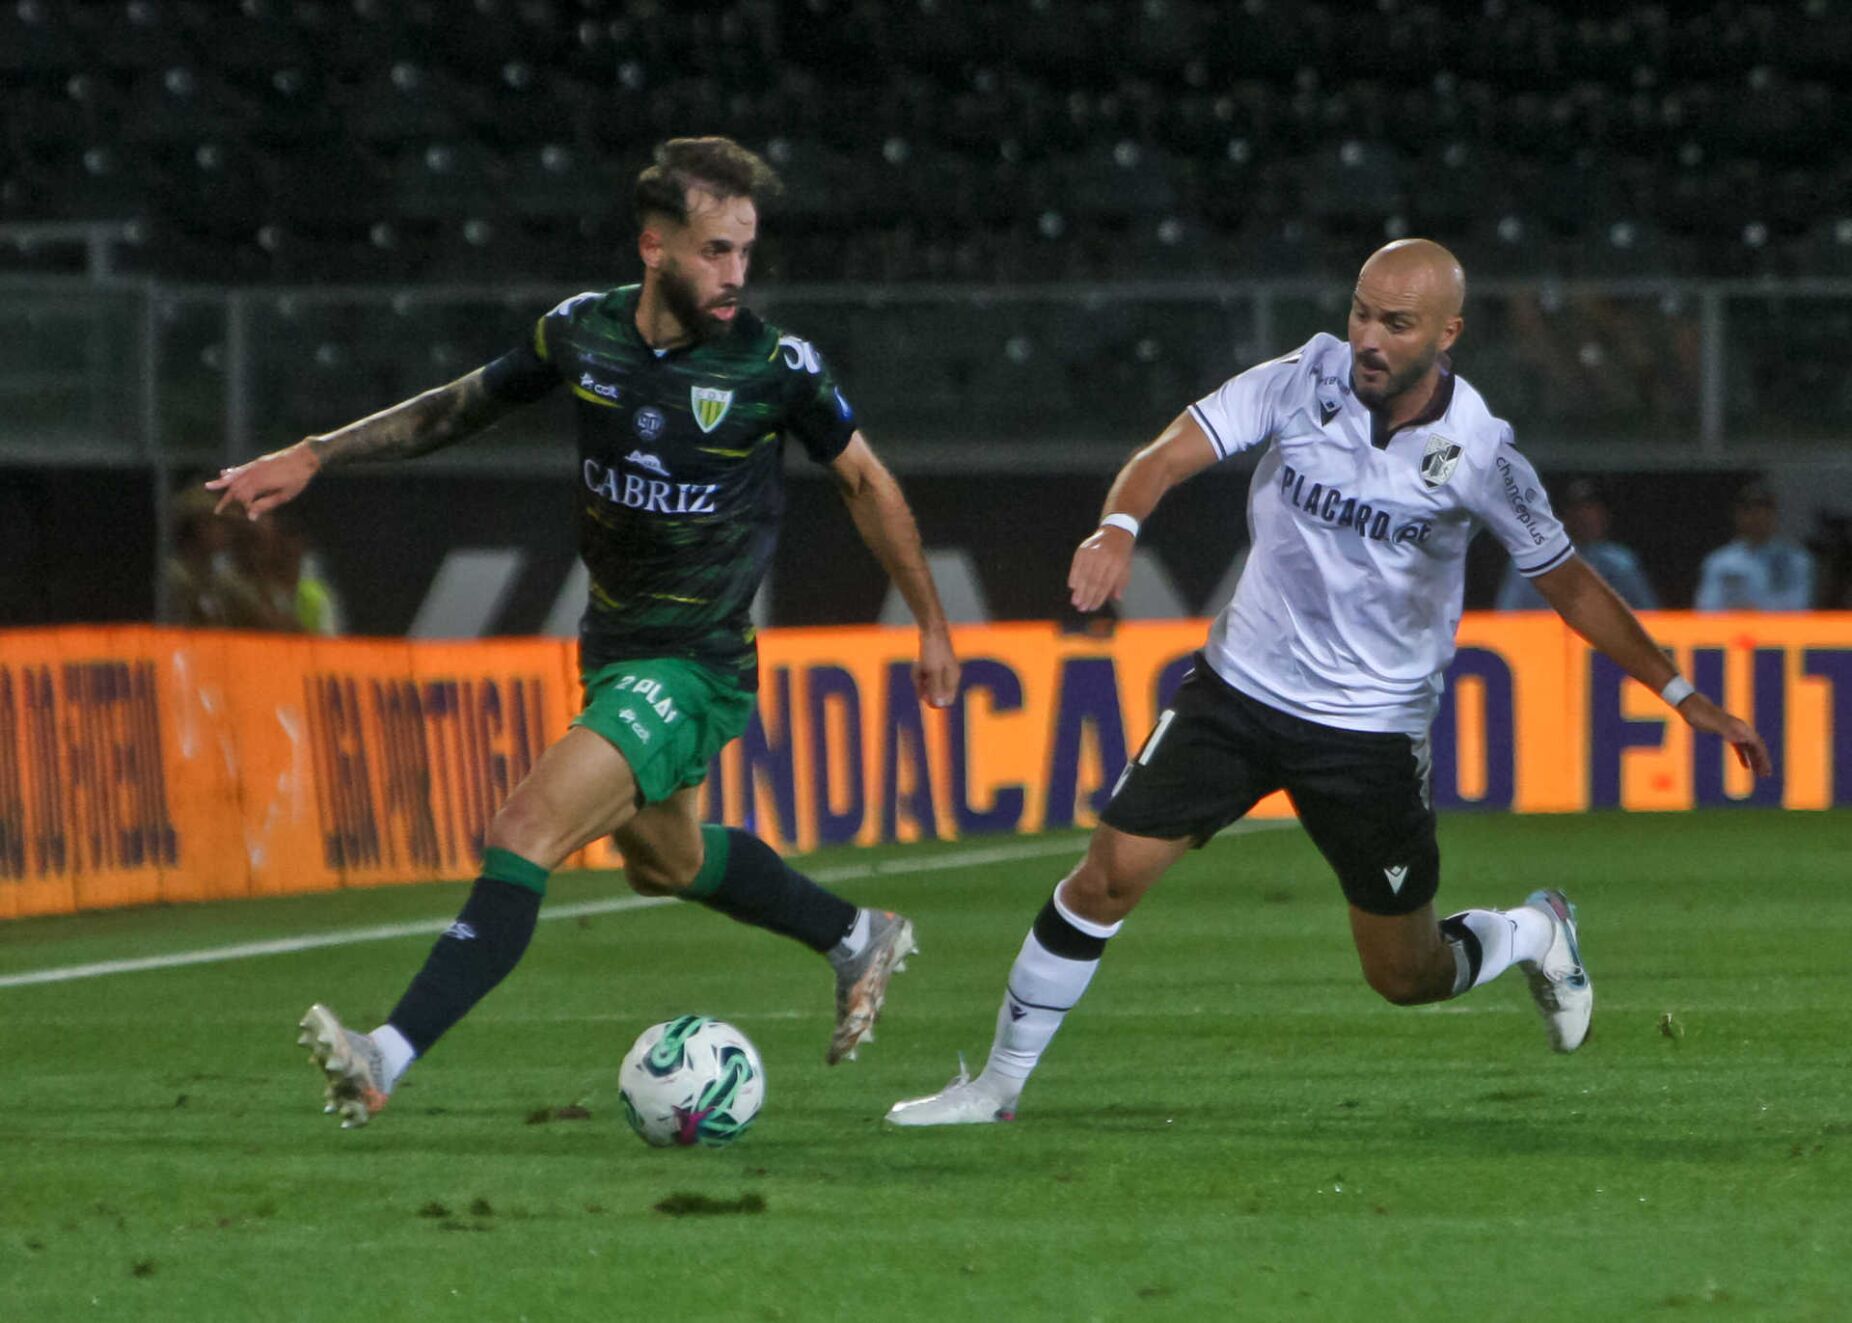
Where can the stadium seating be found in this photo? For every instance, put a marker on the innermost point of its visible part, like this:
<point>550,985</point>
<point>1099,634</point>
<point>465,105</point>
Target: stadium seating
<point>297,140</point>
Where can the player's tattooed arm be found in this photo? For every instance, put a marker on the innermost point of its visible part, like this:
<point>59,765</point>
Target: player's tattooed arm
<point>421,425</point>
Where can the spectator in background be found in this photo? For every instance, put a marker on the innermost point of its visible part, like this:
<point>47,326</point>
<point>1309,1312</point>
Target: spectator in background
<point>296,596</point>
<point>229,573</point>
<point>209,582</point>
<point>1760,570</point>
<point>1584,513</point>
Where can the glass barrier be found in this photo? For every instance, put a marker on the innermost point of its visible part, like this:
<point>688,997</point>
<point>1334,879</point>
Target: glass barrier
<point>1024,374</point>
<point>1022,369</point>
<point>1566,366</point>
<point>73,366</point>
<point>194,361</point>
<point>1785,374</point>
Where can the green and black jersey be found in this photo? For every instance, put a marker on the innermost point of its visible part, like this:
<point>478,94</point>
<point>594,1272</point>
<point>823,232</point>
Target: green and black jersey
<point>681,461</point>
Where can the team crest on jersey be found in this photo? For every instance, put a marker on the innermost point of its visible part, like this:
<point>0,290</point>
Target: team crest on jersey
<point>1440,460</point>
<point>710,406</point>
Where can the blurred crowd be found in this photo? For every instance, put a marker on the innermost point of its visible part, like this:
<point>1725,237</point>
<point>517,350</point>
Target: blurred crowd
<point>228,572</point>
<point>1758,569</point>
<point>941,139</point>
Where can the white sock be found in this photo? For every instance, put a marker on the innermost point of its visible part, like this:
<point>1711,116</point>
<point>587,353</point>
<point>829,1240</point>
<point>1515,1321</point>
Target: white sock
<point>397,1052</point>
<point>1043,988</point>
<point>855,939</point>
<point>1506,938</point>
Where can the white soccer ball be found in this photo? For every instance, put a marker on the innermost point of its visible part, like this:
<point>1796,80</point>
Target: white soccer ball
<point>691,1080</point>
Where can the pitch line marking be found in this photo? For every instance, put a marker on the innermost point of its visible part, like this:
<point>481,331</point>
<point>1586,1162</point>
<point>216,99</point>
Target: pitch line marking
<point>213,955</point>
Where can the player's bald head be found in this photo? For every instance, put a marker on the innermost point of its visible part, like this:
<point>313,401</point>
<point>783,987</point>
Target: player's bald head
<point>1404,314</point>
<point>1421,272</point>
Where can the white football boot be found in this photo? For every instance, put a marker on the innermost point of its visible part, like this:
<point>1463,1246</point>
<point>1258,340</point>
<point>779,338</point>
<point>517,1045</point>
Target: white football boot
<point>355,1068</point>
<point>964,1101</point>
<point>861,981</point>
<point>1558,982</point>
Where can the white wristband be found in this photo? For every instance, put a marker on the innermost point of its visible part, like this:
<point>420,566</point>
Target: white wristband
<point>1125,521</point>
<point>1677,690</point>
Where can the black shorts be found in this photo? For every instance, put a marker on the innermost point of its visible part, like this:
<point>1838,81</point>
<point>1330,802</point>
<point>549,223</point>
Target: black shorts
<point>1361,795</point>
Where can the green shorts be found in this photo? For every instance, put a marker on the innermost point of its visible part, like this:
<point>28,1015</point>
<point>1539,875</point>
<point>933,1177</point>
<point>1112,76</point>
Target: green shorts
<point>667,716</point>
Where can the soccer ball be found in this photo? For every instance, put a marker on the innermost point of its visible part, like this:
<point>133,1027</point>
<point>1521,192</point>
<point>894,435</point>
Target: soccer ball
<point>691,1080</point>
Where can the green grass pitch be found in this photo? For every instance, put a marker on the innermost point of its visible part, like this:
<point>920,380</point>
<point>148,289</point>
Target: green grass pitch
<point>1230,1127</point>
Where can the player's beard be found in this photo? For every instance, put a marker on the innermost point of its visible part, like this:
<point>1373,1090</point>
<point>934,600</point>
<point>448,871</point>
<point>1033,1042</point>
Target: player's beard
<point>1377,397</point>
<point>684,304</point>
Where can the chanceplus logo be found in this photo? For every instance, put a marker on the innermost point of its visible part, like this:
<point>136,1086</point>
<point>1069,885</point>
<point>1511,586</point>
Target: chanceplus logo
<point>1514,496</point>
<point>649,422</point>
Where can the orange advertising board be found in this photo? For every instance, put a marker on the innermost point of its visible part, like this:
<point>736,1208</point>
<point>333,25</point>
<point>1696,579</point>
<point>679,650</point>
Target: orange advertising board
<point>141,764</point>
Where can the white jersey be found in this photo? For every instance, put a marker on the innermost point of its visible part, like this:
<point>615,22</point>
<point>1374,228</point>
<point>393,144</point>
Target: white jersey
<point>1346,610</point>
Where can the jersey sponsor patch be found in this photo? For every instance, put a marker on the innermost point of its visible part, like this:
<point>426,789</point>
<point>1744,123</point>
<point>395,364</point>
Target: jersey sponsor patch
<point>1439,461</point>
<point>710,405</point>
<point>649,422</point>
<point>1519,499</point>
<point>644,460</point>
<point>590,389</point>
<point>800,355</point>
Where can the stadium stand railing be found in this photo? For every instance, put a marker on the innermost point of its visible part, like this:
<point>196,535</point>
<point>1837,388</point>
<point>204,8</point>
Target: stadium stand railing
<point>1614,373</point>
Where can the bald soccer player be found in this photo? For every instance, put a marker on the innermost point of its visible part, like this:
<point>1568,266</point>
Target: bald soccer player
<point>1323,673</point>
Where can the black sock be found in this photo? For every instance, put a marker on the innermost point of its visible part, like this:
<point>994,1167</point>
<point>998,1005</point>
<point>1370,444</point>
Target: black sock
<point>474,954</point>
<point>744,879</point>
<point>1468,954</point>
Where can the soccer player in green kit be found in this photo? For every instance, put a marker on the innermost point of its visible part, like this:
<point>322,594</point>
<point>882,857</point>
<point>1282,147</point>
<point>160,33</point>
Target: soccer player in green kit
<point>684,399</point>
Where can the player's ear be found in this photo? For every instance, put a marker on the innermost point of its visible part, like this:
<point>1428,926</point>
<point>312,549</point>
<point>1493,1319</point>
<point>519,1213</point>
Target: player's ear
<point>1451,332</point>
<point>650,246</point>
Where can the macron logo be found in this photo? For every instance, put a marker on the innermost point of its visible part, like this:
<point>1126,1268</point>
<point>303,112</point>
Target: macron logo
<point>461,931</point>
<point>1017,1012</point>
<point>1396,877</point>
<point>644,460</point>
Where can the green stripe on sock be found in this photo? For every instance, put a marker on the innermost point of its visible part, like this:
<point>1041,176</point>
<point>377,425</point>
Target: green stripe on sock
<point>507,866</point>
<point>715,846</point>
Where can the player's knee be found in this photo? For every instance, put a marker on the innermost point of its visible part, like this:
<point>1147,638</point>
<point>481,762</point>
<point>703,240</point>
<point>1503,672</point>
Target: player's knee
<point>1094,891</point>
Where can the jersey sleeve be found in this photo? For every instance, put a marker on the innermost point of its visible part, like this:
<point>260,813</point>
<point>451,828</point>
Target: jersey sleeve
<point>527,372</point>
<point>816,411</point>
<point>1510,500</point>
<point>1244,410</point>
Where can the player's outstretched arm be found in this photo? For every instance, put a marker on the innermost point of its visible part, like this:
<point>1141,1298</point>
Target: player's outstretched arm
<point>422,424</point>
<point>1103,562</point>
<point>886,524</point>
<point>1593,610</point>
